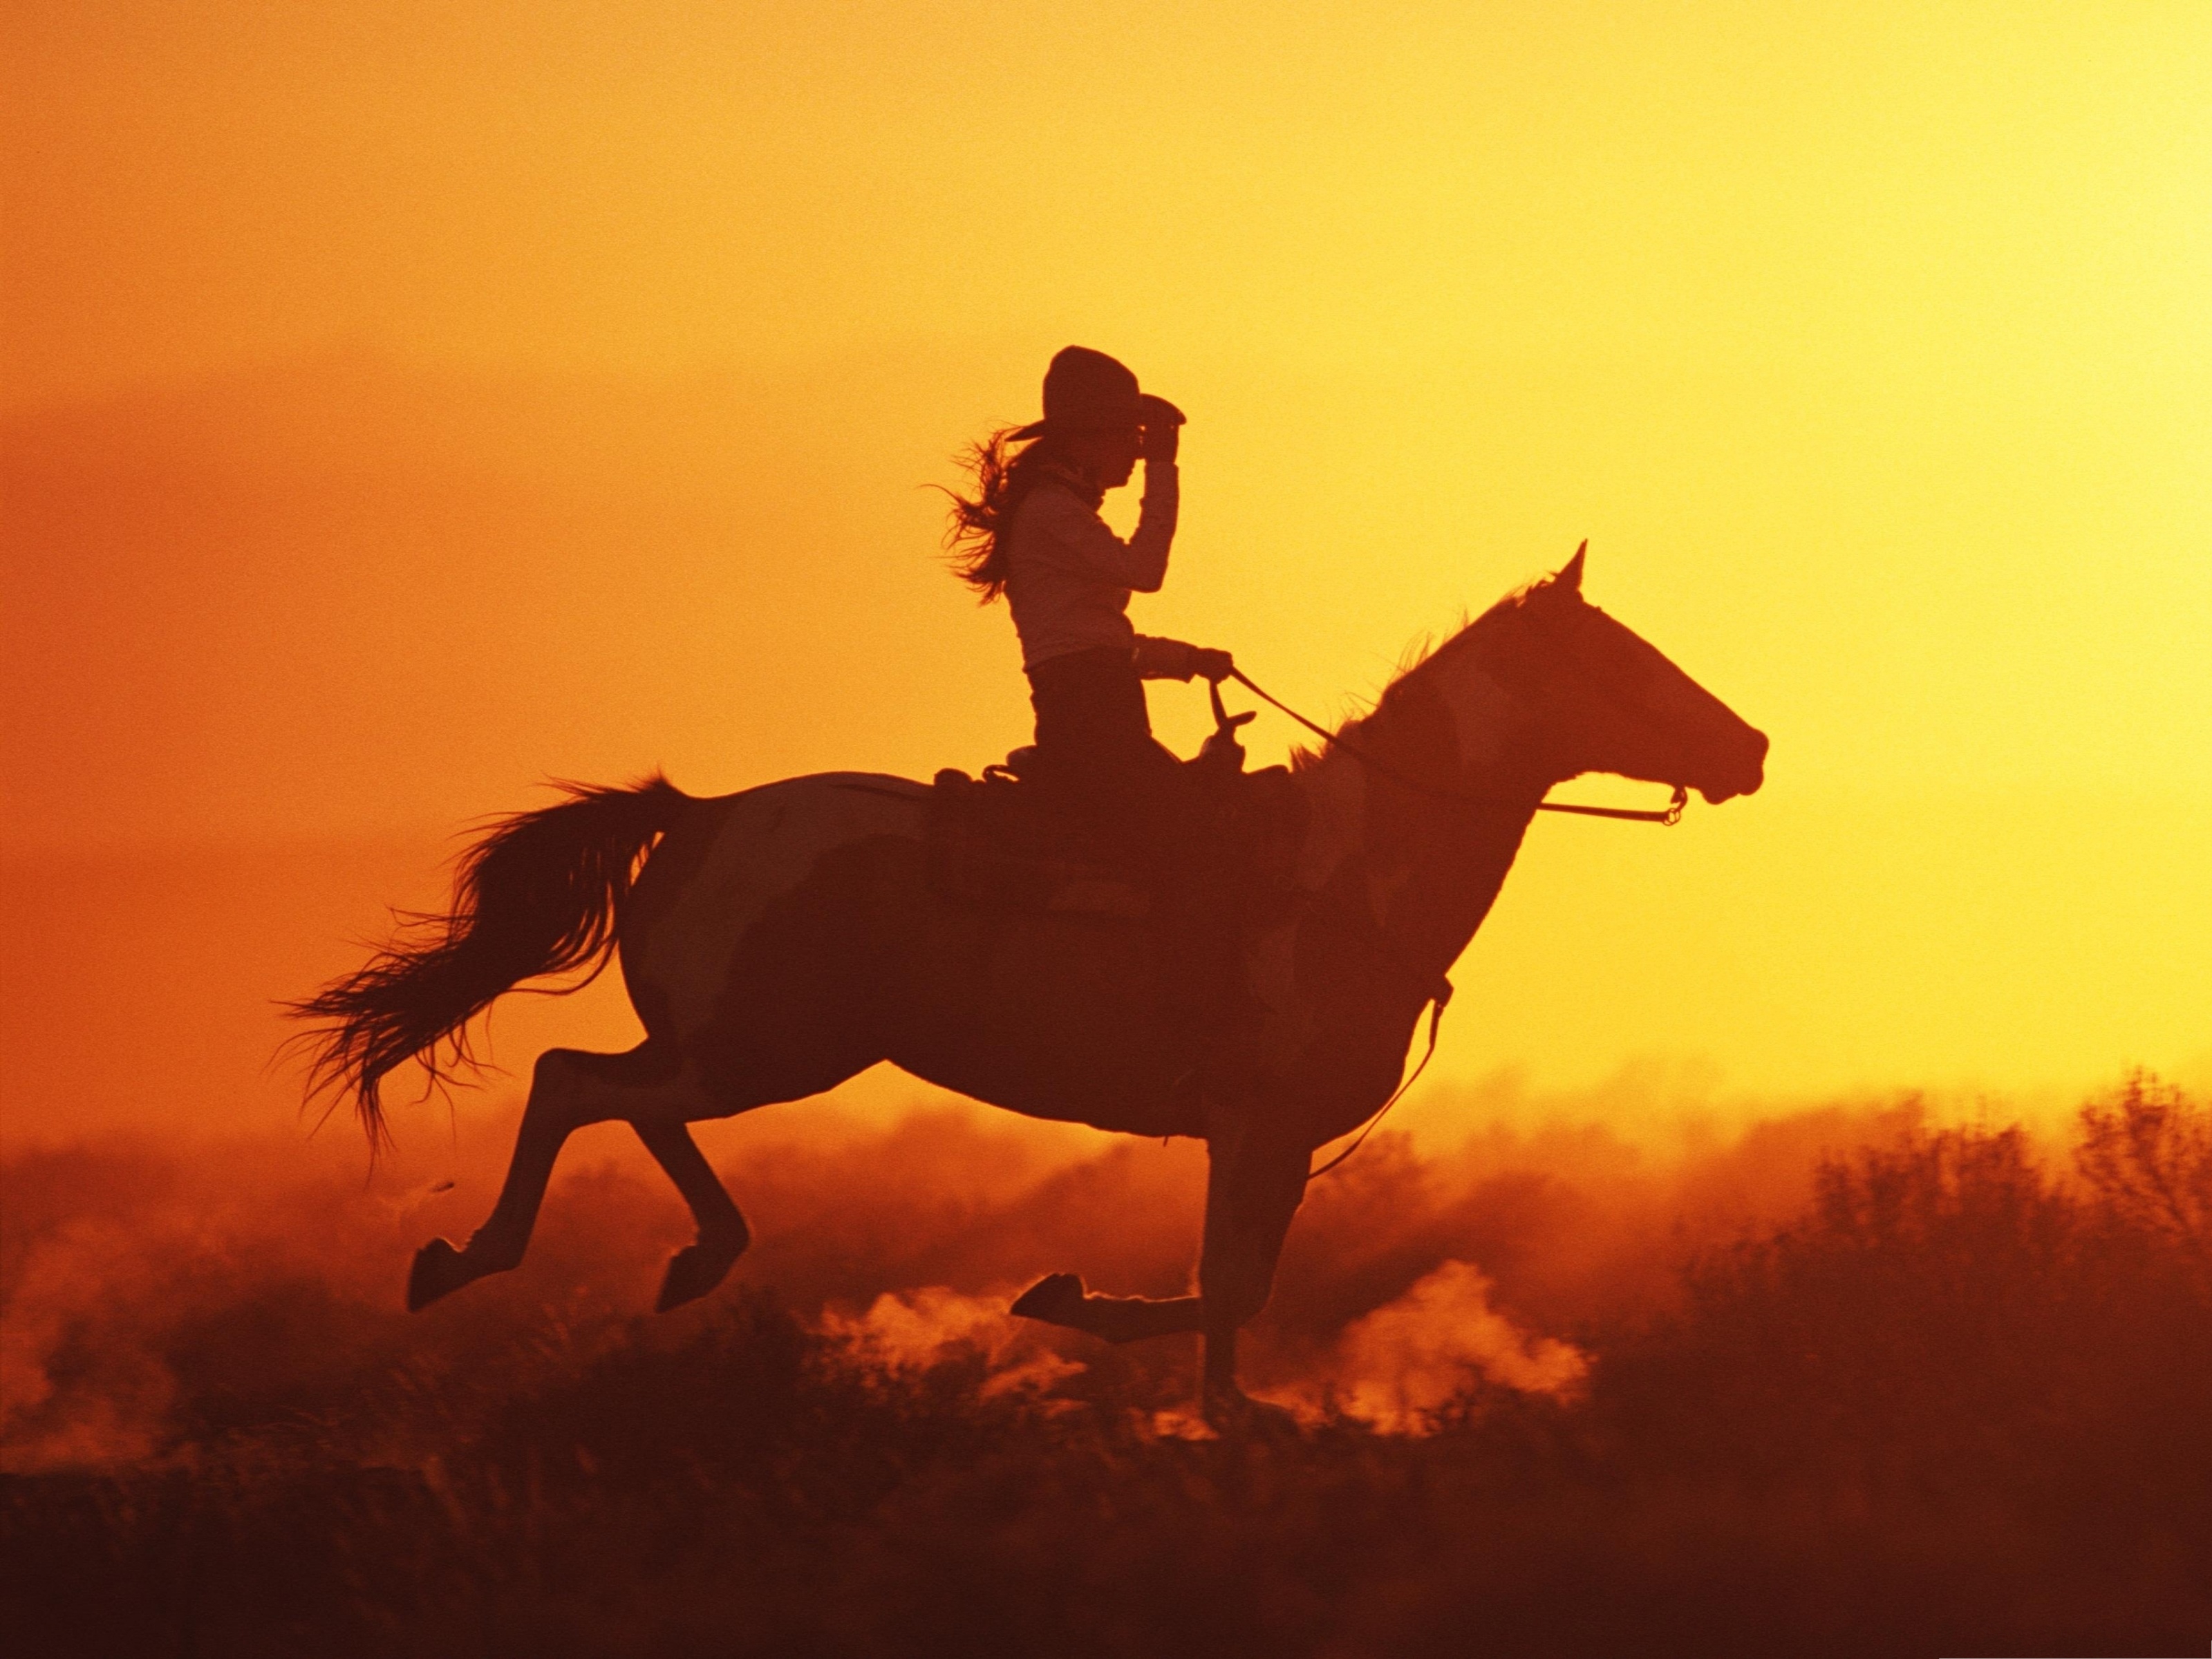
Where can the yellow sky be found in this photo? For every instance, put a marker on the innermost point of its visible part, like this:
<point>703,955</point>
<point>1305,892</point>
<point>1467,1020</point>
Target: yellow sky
<point>406,402</point>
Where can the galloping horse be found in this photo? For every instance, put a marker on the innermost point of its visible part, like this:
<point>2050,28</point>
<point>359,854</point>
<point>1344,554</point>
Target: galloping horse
<point>780,941</point>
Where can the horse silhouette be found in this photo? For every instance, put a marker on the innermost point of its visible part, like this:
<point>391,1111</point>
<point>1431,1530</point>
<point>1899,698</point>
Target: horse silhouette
<point>780,941</point>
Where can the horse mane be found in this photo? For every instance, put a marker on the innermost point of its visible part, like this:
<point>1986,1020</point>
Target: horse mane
<point>1428,650</point>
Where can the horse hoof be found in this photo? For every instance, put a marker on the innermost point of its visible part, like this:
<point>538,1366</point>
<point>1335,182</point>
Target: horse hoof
<point>694,1270</point>
<point>1057,1299</point>
<point>439,1270</point>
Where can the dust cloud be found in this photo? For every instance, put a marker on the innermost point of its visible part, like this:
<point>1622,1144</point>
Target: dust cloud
<point>155,1290</point>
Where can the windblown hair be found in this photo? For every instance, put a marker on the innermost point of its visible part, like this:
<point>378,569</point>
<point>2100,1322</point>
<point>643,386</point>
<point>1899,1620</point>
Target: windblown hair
<point>539,895</point>
<point>1005,473</point>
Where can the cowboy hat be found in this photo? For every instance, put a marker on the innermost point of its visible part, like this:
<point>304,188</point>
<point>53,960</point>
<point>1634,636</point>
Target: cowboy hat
<point>1087,391</point>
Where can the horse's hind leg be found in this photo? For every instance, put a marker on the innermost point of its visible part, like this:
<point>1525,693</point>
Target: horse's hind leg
<point>568,1090</point>
<point>700,1266</point>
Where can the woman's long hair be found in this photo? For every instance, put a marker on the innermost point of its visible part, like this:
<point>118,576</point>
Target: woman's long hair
<point>1004,471</point>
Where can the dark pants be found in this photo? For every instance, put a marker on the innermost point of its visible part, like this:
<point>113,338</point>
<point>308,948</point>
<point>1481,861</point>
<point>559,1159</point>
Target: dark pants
<point>1095,741</point>
<point>1093,735</point>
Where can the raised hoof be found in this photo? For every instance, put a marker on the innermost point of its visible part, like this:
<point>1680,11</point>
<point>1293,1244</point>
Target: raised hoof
<point>694,1270</point>
<point>1057,1299</point>
<point>439,1270</point>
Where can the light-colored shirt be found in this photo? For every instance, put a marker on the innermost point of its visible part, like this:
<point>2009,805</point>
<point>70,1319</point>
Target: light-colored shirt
<point>1069,577</point>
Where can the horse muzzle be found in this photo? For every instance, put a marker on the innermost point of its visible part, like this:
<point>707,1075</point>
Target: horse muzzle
<point>1743,777</point>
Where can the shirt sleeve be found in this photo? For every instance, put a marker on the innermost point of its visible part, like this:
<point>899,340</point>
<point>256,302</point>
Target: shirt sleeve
<point>1158,659</point>
<point>1078,538</point>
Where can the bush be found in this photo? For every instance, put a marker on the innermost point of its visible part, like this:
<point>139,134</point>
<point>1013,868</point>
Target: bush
<point>1954,1405</point>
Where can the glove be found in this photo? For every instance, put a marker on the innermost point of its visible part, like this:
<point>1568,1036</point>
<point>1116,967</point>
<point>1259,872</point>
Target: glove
<point>1212,664</point>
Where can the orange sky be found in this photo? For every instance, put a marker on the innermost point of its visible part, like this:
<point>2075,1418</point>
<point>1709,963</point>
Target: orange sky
<point>407,402</point>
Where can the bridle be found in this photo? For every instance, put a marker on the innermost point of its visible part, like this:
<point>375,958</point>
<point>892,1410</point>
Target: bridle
<point>1437,994</point>
<point>1223,721</point>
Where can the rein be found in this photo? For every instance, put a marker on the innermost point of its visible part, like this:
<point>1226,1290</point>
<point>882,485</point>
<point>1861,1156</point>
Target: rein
<point>1670,816</point>
<point>1439,1000</point>
<point>1439,991</point>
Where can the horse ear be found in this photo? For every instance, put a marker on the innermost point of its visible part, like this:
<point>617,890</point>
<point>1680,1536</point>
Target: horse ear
<point>1570,574</point>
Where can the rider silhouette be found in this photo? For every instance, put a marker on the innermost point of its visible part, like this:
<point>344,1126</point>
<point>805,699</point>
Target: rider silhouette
<point>1032,533</point>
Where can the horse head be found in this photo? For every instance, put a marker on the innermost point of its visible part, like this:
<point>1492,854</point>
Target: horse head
<point>1594,697</point>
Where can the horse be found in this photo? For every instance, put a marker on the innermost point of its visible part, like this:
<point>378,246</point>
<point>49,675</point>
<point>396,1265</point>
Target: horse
<point>778,941</point>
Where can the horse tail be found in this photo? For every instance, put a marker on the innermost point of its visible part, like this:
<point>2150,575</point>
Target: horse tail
<point>539,894</point>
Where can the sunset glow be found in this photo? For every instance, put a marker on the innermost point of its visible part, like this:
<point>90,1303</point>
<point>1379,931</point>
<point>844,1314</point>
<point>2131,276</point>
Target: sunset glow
<point>1800,1243</point>
<point>409,403</point>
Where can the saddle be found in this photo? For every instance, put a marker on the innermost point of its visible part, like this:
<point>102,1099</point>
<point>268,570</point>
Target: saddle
<point>1000,842</point>
<point>1016,839</point>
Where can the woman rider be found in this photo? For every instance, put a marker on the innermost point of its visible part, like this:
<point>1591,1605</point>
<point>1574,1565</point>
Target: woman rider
<point>1032,533</point>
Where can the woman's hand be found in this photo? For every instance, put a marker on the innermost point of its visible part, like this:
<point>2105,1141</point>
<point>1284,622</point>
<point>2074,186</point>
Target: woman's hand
<point>1178,659</point>
<point>1161,433</point>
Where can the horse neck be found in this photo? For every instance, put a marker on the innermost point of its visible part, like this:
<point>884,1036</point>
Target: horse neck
<point>1432,864</point>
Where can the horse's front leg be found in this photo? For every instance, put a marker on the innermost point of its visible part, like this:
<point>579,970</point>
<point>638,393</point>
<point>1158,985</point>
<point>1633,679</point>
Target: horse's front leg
<point>1254,1187</point>
<point>1254,1184</point>
<point>1060,1299</point>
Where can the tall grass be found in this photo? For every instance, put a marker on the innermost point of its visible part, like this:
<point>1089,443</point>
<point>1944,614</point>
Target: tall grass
<point>1954,1404</point>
